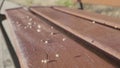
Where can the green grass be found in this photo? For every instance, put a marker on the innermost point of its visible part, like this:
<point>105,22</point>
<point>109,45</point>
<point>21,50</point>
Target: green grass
<point>29,2</point>
<point>67,3</point>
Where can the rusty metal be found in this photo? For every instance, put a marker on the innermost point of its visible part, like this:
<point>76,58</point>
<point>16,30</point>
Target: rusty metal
<point>100,36</point>
<point>40,44</point>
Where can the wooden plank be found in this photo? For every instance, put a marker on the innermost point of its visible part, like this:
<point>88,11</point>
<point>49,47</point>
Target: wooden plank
<point>100,36</point>
<point>97,18</point>
<point>36,40</point>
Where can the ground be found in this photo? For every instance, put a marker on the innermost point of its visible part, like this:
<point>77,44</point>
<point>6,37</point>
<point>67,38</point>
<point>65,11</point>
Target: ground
<point>5,57</point>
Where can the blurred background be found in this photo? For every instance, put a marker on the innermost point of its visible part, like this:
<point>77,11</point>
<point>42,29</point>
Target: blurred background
<point>102,9</point>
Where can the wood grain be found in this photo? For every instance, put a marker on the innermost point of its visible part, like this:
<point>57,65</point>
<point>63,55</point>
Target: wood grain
<point>98,35</point>
<point>33,46</point>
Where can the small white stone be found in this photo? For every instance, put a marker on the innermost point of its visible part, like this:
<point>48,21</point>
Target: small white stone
<point>46,42</point>
<point>39,26</point>
<point>63,39</point>
<point>41,40</point>
<point>38,30</point>
<point>57,55</point>
<point>51,33</point>
<point>17,22</point>
<point>51,27</point>
<point>93,22</point>
<point>116,26</point>
<point>42,61</point>
<point>45,61</point>
<point>29,23</point>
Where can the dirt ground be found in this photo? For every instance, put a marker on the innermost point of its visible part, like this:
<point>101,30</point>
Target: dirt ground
<point>5,56</point>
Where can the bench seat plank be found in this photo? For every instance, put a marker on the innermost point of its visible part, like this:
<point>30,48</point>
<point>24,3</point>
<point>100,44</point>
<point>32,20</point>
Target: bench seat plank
<point>105,38</point>
<point>102,19</point>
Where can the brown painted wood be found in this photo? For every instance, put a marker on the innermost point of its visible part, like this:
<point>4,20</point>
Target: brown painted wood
<point>35,40</point>
<point>97,18</point>
<point>102,37</point>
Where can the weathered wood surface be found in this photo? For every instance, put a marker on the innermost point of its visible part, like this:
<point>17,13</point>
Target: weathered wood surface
<point>38,43</point>
<point>99,35</point>
<point>97,18</point>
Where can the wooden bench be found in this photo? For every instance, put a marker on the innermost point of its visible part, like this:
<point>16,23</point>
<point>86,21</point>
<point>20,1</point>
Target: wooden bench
<point>75,43</point>
<point>60,37</point>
